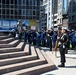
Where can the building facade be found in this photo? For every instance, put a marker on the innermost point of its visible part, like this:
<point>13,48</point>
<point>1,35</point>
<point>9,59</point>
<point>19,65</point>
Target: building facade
<point>43,14</point>
<point>72,14</point>
<point>18,10</point>
<point>46,14</point>
<point>55,13</point>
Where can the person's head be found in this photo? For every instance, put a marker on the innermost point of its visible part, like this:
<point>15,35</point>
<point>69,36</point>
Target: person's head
<point>42,30</point>
<point>55,32</point>
<point>64,30</point>
<point>49,30</point>
<point>73,31</point>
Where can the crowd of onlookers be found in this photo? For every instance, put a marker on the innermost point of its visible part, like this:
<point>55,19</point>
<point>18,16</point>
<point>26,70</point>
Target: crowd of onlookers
<point>44,38</point>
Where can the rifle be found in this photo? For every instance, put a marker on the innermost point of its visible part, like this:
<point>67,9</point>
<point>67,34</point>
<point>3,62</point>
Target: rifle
<point>55,49</point>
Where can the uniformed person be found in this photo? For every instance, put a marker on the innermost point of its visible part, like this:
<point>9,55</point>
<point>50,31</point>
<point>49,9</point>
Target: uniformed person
<point>34,37</point>
<point>42,37</point>
<point>29,33</point>
<point>19,28</point>
<point>54,38</point>
<point>62,46</point>
<point>37,39</point>
<point>48,41</point>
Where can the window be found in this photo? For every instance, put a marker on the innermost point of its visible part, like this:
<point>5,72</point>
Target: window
<point>11,16</point>
<point>12,1</point>
<point>19,12</point>
<point>7,11</point>
<point>7,16</point>
<point>15,12</point>
<point>27,12</point>
<point>23,12</point>
<point>11,11</point>
<point>70,9</point>
<point>34,7</point>
<point>34,2</point>
<point>0,11</point>
<point>74,9</point>
<point>30,1</point>
<point>27,3</point>
<point>34,17</point>
<point>19,2</point>
<point>3,16</point>
<point>12,6</point>
<point>23,2</point>
<point>30,11</point>
<point>15,1</point>
<point>3,11</point>
<point>34,12</point>
<point>0,6</point>
<point>73,18</point>
<point>69,18</point>
<point>3,1</point>
<point>23,7</point>
<point>0,1</point>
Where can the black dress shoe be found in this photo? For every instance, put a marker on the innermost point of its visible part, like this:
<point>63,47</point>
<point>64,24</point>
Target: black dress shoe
<point>61,65</point>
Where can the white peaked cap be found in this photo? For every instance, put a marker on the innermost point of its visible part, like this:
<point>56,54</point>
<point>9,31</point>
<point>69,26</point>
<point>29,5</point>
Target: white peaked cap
<point>65,28</point>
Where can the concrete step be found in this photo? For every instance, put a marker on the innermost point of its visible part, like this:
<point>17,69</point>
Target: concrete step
<point>35,63</point>
<point>23,65</point>
<point>32,71</point>
<point>8,40</point>
<point>37,69</point>
<point>12,44</point>
<point>12,49</point>
<point>33,56</point>
<point>4,37</point>
<point>49,61</point>
<point>12,55</point>
<point>17,60</point>
<point>26,49</point>
<point>19,66</point>
<point>1,34</point>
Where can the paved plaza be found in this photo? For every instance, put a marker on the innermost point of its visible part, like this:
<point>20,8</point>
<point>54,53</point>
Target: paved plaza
<point>70,66</point>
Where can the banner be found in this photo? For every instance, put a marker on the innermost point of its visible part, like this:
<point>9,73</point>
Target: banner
<point>32,22</point>
<point>5,24</point>
<point>13,23</point>
<point>25,22</point>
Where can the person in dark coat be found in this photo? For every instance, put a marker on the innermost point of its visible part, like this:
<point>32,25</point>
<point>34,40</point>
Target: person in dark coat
<point>48,41</point>
<point>37,39</point>
<point>72,39</point>
<point>54,38</point>
<point>43,34</point>
<point>29,36</point>
<point>25,35</point>
<point>50,32</point>
<point>34,37</point>
<point>62,46</point>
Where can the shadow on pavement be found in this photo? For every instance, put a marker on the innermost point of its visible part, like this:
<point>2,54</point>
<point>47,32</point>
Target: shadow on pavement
<point>70,66</point>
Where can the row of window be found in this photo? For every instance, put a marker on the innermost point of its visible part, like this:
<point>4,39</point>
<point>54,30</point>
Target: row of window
<point>18,12</point>
<point>72,9</point>
<point>17,17</point>
<point>20,2</point>
<point>19,7</point>
<point>72,18</point>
